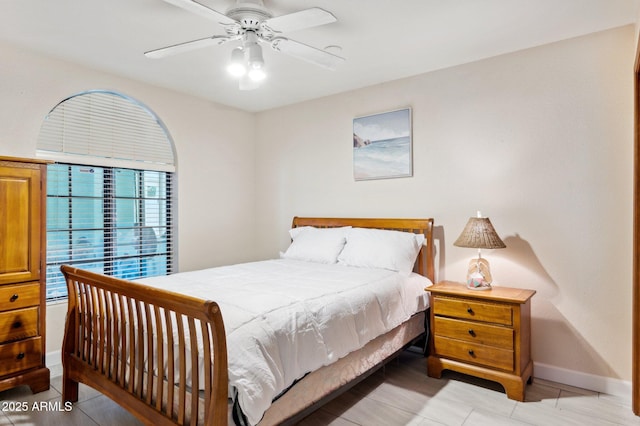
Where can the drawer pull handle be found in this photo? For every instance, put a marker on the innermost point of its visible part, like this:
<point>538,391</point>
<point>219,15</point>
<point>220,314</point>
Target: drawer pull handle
<point>471,332</point>
<point>14,298</point>
<point>471,352</point>
<point>17,324</point>
<point>470,311</point>
<point>20,355</point>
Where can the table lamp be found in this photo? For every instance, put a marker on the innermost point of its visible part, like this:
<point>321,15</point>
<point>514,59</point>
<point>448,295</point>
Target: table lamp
<point>479,233</point>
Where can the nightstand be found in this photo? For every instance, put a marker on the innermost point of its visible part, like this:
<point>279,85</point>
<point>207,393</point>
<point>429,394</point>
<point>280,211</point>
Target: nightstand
<point>486,334</point>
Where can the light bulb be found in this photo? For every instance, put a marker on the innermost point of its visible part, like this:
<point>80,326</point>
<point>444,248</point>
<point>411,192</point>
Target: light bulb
<point>236,67</point>
<point>236,70</point>
<point>255,56</point>
<point>257,74</point>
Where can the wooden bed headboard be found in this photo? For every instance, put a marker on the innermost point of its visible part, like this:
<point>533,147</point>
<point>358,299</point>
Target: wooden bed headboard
<point>425,263</point>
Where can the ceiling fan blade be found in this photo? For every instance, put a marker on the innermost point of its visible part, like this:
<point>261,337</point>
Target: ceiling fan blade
<point>202,10</point>
<point>186,46</point>
<point>299,20</point>
<point>306,53</point>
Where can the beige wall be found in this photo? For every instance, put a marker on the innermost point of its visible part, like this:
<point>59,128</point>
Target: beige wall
<point>539,140</point>
<point>214,145</point>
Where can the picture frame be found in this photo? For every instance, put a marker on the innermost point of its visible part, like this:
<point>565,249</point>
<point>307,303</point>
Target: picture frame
<point>382,145</point>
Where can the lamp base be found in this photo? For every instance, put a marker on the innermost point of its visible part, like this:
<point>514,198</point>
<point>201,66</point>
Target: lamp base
<point>479,275</point>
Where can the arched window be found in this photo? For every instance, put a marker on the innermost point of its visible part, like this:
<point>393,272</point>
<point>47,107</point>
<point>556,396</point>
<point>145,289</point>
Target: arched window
<point>110,191</point>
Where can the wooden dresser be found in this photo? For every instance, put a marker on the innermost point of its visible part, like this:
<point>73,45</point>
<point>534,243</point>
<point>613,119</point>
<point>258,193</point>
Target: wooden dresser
<point>485,333</point>
<point>22,274</point>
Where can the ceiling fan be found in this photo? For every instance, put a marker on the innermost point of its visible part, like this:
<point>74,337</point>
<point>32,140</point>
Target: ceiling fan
<point>250,22</point>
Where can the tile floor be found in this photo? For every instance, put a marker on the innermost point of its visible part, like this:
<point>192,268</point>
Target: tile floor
<point>400,394</point>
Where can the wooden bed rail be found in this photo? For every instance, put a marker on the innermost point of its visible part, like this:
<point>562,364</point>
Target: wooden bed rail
<point>139,346</point>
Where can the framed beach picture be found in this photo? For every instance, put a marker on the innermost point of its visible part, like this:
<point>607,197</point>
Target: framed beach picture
<point>382,145</point>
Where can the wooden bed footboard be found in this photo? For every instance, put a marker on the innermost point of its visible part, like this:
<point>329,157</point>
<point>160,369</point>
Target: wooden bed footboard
<point>138,345</point>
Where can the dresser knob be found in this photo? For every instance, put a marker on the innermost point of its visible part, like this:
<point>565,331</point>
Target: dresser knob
<point>471,332</point>
<point>471,352</point>
<point>17,324</point>
<point>14,298</point>
<point>20,355</point>
<point>470,311</point>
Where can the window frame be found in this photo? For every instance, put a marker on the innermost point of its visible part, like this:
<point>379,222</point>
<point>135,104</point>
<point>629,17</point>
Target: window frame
<point>106,249</point>
<point>91,142</point>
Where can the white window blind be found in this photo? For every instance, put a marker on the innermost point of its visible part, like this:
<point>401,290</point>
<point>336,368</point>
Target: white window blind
<point>110,193</point>
<point>105,128</point>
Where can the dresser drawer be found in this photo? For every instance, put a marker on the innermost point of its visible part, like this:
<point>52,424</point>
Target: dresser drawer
<point>19,296</point>
<point>475,332</point>
<point>22,355</point>
<point>465,309</point>
<point>484,355</point>
<point>18,324</point>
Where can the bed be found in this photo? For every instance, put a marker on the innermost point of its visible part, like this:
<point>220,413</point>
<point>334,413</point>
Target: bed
<point>170,353</point>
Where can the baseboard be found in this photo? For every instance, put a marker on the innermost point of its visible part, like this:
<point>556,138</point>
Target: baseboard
<point>53,361</point>
<point>552,373</point>
<point>579,379</point>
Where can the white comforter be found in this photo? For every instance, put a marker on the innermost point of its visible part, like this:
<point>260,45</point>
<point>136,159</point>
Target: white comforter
<point>285,318</point>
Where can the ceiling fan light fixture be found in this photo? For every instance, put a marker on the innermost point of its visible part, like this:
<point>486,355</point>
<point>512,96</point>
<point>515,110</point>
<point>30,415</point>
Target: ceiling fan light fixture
<point>256,61</point>
<point>237,66</point>
<point>257,74</point>
<point>255,56</point>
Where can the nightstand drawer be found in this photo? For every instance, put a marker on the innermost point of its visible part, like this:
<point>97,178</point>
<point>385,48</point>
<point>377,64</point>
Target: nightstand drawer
<point>20,355</point>
<point>19,296</point>
<point>18,324</point>
<point>465,309</point>
<point>483,334</point>
<point>473,353</point>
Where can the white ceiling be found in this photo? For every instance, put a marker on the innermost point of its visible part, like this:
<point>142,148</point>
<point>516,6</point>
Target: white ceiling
<point>382,40</point>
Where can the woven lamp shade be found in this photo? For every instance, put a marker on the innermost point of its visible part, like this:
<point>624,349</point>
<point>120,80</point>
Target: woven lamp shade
<point>479,233</point>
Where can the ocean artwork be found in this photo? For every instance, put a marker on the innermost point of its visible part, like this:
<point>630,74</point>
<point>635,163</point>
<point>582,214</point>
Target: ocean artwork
<point>382,145</point>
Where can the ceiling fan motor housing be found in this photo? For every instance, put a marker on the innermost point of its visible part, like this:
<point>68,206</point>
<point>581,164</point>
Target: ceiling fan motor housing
<point>249,13</point>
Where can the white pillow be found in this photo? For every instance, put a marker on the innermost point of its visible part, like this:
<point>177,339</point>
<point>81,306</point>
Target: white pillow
<point>320,245</point>
<point>378,248</point>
